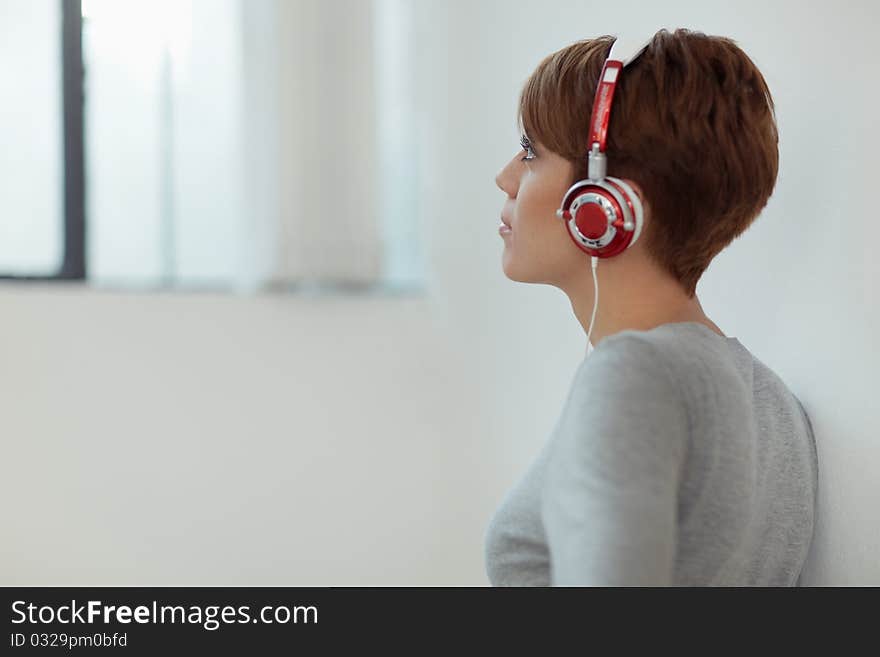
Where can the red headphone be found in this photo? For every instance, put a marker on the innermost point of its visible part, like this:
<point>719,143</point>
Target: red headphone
<point>604,215</point>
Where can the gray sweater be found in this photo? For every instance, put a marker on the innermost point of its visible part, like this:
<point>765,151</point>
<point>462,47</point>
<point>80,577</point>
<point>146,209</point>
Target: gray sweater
<point>679,459</point>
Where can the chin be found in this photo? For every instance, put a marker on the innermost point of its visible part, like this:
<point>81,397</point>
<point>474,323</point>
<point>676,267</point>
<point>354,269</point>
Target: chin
<point>511,271</point>
<point>543,270</point>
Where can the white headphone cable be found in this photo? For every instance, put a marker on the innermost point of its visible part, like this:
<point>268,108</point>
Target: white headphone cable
<point>595,262</point>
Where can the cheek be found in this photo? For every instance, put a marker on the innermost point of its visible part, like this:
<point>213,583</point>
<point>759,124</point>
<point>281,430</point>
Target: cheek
<point>537,204</point>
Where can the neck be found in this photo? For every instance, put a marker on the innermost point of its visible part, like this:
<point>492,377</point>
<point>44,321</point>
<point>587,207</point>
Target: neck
<point>631,296</point>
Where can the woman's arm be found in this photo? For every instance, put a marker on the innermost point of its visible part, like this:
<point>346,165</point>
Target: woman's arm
<point>609,500</point>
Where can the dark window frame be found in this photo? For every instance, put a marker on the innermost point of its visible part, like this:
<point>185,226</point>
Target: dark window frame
<point>73,264</point>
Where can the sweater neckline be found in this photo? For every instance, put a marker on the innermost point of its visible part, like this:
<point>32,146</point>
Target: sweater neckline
<point>702,327</point>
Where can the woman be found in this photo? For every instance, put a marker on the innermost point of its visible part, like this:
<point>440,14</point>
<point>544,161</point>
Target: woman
<point>679,458</point>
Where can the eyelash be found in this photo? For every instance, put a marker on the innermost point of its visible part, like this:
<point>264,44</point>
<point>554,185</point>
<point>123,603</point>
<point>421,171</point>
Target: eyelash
<point>527,147</point>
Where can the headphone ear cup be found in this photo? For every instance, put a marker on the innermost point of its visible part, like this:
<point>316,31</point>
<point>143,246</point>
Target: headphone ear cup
<point>583,217</point>
<point>606,199</point>
<point>590,217</point>
<point>630,195</point>
<point>588,208</point>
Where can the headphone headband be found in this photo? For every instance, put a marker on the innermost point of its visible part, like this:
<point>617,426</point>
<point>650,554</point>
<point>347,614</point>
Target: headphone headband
<point>622,53</point>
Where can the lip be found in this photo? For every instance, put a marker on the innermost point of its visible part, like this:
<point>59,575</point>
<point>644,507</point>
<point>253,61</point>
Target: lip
<point>505,221</point>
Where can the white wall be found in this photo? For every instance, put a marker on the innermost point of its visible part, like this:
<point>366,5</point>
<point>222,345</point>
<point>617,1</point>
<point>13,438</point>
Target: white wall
<point>201,439</point>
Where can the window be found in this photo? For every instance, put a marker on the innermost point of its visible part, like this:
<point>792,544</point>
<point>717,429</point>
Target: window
<point>212,144</point>
<point>41,162</point>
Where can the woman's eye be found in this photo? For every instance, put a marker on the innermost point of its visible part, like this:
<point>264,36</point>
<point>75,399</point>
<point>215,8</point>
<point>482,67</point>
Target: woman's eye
<point>527,147</point>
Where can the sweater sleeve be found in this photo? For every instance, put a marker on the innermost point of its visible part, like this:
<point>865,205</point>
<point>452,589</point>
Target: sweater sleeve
<point>610,497</point>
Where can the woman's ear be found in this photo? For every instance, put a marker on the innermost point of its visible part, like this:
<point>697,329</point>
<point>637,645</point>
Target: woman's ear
<point>636,188</point>
<point>646,209</point>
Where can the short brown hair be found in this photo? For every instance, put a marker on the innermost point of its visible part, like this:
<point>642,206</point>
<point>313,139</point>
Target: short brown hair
<point>692,123</point>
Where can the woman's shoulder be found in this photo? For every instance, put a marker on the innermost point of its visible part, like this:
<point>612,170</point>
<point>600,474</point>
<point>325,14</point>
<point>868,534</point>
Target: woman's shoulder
<point>688,358</point>
<point>629,364</point>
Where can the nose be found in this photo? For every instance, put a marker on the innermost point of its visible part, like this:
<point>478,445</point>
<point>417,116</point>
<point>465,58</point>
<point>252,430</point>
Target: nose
<point>498,180</point>
<point>505,181</point>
